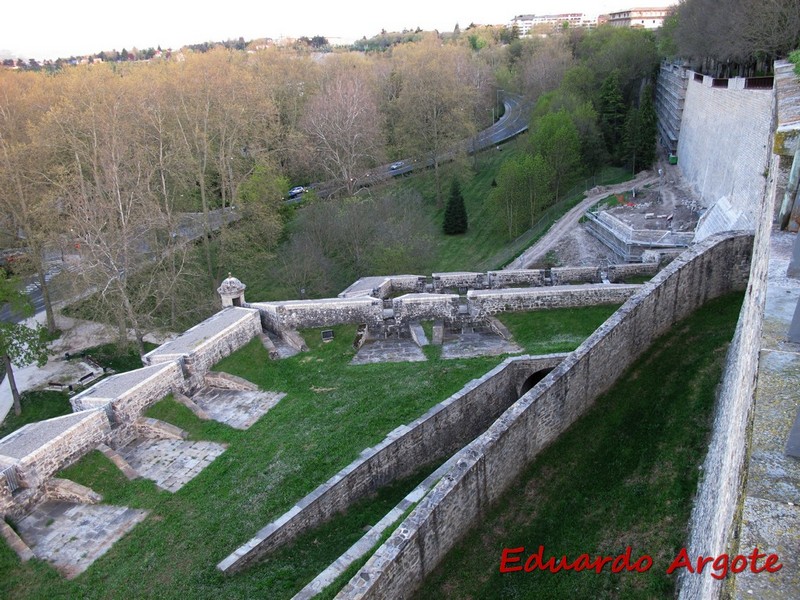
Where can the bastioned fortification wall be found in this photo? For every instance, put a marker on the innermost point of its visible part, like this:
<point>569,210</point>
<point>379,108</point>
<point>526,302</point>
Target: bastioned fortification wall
<point>723,150</point>
<point>489,464</point>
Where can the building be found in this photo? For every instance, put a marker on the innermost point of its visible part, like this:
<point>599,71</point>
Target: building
<point>642,18</point>
<point>527,24</point>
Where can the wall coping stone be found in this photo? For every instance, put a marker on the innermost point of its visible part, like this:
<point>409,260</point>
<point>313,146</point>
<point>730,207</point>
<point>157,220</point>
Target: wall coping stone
<point>123,384</point>
<point>203,334</point>
<point>33,436</point>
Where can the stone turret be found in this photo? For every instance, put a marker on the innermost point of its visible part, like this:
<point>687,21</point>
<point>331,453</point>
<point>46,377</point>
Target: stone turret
<point>231,291</point>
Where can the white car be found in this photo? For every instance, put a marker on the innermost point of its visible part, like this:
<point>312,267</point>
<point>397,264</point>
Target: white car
<point>296,191</point>
<point>395,166</point>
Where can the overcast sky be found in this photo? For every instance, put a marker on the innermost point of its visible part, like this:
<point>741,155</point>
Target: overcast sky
<point>62,28</point>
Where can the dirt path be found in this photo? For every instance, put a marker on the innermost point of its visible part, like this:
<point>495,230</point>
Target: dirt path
<point>569,221</point>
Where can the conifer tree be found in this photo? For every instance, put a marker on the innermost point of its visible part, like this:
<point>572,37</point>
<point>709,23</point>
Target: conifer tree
<point>455,213</point>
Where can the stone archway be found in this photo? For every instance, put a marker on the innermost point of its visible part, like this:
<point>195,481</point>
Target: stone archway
<point>532,380</point>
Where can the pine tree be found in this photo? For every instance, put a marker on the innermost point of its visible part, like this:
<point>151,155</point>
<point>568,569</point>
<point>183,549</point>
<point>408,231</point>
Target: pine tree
<point>455,213</point>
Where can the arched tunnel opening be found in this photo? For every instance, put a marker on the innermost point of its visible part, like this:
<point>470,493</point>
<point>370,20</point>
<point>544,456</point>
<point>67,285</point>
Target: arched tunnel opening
<point>532,380</point>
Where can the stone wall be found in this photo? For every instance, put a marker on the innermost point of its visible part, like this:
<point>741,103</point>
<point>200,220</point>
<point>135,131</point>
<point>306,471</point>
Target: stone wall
<point>435,435</point>
<point>405,283</point>
<point>489,464</point>
<point>40,449</point>
<point>517,278</point>
<point>453,281</point>
<point>302,314</point>
<point>723,150</point>
<point>131,393</point>
<point>575,275</point>
<point>714,510</point>
<point>619,273</point>
<point>490,302</point>
<point>425,307</point>
<point>205,344</point>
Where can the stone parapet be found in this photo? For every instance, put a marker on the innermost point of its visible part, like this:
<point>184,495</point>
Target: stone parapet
<point>490,302</point>
<point>302,314</point>
<point>425,307</point>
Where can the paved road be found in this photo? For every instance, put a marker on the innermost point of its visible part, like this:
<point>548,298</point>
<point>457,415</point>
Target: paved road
<point>570,220</point>
<point>514,121</point>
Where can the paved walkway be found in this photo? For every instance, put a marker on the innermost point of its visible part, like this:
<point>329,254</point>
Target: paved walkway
<point>170,463</point>
<point>469,345</point>
<point>72,536</point>
<point>391,350</point>
<point>235,408</point>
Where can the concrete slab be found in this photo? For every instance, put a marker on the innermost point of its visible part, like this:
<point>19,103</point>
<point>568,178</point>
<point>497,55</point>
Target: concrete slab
<point>391,350</point>
<point>236,408</point>
<point>170,463</point>
<point>469,345</point>
<point>72,536</point>
<point>284,350</point>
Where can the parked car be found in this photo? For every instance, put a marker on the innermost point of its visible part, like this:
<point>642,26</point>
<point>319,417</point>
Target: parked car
<point>395,166</point>
<point>296,192</point>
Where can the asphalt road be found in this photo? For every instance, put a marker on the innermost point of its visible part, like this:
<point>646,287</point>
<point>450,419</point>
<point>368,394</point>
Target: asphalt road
<point>513,122</point>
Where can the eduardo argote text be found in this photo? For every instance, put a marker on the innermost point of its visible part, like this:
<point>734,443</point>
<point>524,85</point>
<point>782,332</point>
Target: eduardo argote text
<point>514,560</point>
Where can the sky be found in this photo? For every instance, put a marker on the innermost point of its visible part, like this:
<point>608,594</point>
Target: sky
<point>50,29</point>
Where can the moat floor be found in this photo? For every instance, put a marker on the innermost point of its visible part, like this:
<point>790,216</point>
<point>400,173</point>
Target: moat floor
<point>72,536</point>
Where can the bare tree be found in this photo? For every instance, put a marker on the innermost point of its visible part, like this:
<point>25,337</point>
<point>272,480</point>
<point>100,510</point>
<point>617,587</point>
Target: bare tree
<point>343,122</point>
<point>543,64</point>
<point>24,195</point>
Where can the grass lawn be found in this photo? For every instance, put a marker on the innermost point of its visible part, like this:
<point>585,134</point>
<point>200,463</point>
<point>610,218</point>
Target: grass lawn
<point>485,245</point>
<point>333,411</point>
<point>560,330</point>
<point>624,475</point>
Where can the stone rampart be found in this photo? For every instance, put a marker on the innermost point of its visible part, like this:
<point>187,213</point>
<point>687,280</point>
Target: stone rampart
<point>723,149</point>
<point>425,307</point>
<point>205,344</point>
<point>131,393</point>
<point>464,280</point>
<point>489,464</point>
<point>435,435</point>
<point>490,302</point>
<point>302,314</point>
<point>715,505</point>
<point>40,449</point>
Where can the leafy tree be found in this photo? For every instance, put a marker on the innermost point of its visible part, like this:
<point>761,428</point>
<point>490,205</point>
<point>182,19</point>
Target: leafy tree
<point>556,138</point>
<point>455,213</point>
<point>510,197</point>
<point>612,112</point>
<point>342,122</point>
<point>19,343</point>
<point>640,134</point>
<point>436,101</point>
<point>736,37</point>
<point>538,176</point>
